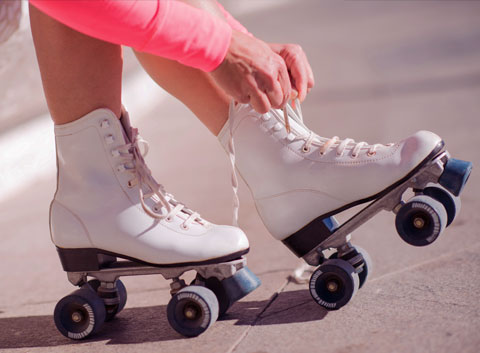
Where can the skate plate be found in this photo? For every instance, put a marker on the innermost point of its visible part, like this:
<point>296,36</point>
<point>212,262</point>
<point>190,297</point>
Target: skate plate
<point>191,310</point>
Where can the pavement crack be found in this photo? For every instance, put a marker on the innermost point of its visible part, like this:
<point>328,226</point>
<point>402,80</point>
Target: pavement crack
<point>258,317</point>
<point>289,308</point>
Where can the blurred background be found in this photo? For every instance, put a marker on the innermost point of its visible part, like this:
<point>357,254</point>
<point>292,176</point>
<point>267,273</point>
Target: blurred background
<point>383,70</point>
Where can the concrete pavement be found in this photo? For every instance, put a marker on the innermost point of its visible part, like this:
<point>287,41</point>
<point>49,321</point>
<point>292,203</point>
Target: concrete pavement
<point>383,70</point>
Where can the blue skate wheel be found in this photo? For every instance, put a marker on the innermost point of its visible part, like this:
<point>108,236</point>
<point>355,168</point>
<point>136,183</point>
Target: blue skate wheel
<point>455,175</point>
<point>333,284</point>
<point>421,220</point>
<point>80,314</point>
<point>192,310</point>
<point>451,203</point>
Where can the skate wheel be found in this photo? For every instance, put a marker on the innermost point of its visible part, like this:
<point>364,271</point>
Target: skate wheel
<point>451,203</point>
<point>121,294</point>
<point>333,284</point>
<point>192,310</point>
<point>455,175</point>
<point>421,220</point>
<point>79,314</point>
<point>231,289</point>
<point>367,266</point>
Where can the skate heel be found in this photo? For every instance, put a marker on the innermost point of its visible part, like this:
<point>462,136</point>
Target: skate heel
<point>455,175</point>
<point>77,260</point>
<point>310,236</point>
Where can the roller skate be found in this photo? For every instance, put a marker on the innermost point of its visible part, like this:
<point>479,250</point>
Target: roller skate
<point>300,181</point>
<point>109,218</point>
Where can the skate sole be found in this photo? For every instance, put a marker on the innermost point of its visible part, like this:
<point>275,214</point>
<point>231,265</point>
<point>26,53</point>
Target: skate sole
<point>315,232</point>
<point>91,259</point>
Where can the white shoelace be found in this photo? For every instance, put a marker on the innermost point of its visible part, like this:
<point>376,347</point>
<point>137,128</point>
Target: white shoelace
<point>142,176</point>
<point>294,112</point>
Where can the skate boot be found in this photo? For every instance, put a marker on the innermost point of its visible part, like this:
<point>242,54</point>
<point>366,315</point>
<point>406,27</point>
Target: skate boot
<point>108,205</point>
<point>300,180</point>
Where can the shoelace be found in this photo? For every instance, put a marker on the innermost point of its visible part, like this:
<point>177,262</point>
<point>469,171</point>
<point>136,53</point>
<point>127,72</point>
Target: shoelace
<point>311,139</point>
<point>131,154</point>
<point>293,111</point>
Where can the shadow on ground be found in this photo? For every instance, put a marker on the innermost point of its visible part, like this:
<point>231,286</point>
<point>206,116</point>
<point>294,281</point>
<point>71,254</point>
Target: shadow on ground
<point>130,326</point>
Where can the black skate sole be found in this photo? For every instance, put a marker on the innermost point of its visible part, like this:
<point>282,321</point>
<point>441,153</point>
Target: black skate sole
<point>91,259</point>
<point>314,233</point>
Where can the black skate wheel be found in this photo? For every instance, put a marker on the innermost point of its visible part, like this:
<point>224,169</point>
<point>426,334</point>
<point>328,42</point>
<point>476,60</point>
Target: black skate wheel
<point>121,294</point>
<point>231,289</point>
<point>455,175</point>
<point>192,310</point>
<point>334,284</point>
<point>451,202</point>
<point>366,268</point>
<point>421,220</point>
<point>79,314</point>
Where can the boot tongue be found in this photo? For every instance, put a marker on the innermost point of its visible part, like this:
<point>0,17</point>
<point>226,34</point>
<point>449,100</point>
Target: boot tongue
<point>127,128</point>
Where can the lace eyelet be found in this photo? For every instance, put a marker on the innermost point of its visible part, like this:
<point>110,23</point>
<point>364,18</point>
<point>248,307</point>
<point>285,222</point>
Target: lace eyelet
<point>109,139</point>
<point>169,219</point>
<point>105,124</point>
<point>277,127</point>
<point>305,149</point>
<point>130,184</point>
<point>371,154</point>
<point>290,137</point>
<point>184,226</point>
<point>354,155</point>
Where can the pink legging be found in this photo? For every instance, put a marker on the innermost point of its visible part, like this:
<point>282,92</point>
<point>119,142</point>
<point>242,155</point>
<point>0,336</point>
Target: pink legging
<point>170,29</point>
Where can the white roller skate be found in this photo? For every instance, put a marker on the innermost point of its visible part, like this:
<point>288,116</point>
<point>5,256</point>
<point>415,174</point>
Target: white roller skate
<point>300,180</point>
<point>108,205</point>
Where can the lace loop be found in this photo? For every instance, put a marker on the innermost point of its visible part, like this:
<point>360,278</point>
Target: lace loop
<point>293,111</point>
<point>148,188</point>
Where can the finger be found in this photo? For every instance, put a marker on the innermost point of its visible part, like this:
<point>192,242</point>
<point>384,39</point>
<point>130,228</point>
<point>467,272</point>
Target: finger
<point>300,78</point>
<point>241,97</point>
<point>275,96</point>
<point>258,99</point>
<point>311,79</point>
<point>260,102</point>
<point>284,81</point>
<point>293,95</point>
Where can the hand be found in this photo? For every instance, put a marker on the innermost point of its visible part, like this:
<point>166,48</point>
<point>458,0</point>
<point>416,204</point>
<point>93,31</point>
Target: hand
<point>253,73</point>
<point>301,74</point>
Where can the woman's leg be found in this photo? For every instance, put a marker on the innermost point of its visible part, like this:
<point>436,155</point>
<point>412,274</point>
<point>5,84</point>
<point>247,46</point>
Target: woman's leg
<point>79,73</point>
<point>194,88</point>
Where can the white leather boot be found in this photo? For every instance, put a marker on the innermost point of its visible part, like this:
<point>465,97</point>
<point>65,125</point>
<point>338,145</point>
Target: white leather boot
<point>107,202</point>
<point>297,177</point>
